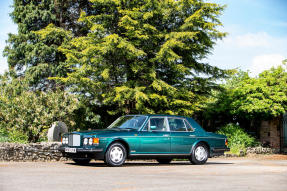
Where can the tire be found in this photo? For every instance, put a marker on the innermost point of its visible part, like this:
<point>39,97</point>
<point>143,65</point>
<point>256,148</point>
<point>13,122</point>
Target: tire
<point>199,154</point>
<point>116,154</point>
<point>82,161</point>
<point>164,161</point>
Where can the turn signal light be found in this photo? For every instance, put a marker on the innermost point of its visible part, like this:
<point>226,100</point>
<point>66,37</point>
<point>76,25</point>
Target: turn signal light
<point>96,141</point>
<point>226,142</point>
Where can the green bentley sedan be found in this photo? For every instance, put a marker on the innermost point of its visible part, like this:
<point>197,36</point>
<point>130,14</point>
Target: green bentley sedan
<point>160,137</point>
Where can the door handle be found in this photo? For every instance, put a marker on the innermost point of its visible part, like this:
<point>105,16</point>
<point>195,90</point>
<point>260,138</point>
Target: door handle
<point>166,135</point>
<point>192,135</point>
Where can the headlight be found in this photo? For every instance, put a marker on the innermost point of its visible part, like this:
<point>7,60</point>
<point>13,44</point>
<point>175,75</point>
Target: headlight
<point>64,140</point>
<point>85,141</point>
<point>67,140</point>
<point>90,141</point>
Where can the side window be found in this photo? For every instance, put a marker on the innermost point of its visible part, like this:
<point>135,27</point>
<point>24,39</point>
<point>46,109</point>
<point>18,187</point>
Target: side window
<point>158,124</point>
<point>188,126</point>
<point>176,124</point>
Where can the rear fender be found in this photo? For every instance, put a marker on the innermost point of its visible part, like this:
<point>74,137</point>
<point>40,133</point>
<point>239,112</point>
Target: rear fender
<point>197,142</point>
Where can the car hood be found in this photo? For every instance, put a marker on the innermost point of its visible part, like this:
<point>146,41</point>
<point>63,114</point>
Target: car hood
<point>104,132</point>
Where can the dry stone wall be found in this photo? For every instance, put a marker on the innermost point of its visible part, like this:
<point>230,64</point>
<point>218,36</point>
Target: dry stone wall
<point>49,152</point>
<point>262,150</point>
<point>31,152</point>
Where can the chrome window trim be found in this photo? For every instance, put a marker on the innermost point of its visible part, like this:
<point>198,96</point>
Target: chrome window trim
<point>183,119</point>
<point>165,121</point>
<point>166,118</point>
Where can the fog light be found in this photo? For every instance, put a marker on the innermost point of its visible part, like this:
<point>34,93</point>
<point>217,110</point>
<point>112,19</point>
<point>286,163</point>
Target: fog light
<point>85,141</point>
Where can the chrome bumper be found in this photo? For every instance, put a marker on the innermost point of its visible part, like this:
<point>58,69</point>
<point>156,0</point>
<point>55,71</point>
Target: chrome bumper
<point>82,150</point>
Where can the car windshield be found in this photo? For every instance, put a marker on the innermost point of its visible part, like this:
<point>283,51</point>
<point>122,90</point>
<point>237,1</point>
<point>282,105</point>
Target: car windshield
<point>128,122</point>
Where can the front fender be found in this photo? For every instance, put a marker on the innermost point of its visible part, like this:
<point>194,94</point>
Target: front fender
<point>116,139</point>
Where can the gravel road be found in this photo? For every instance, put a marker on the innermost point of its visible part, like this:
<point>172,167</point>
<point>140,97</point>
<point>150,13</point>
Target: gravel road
<point>218,174</point>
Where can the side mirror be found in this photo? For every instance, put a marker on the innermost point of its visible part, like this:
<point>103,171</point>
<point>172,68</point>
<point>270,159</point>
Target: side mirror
<point>152,128</point>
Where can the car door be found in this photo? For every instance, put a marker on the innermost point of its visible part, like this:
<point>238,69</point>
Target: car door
<point>155,137</point>
<point>182,135</point>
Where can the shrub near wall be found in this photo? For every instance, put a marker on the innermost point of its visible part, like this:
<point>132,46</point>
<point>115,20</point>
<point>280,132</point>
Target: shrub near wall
<point>238,139</point>
<point>30,152</point>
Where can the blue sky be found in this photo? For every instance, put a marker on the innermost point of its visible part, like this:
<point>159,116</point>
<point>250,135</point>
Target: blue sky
<point>257,38</point>
<point>6,26</point>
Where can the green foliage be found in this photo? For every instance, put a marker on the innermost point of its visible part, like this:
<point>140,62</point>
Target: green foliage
<point>262,97</point>
<point>36,56</point>
<point>144,56</point>
<point>238,139</point>
<point>118,57</point>
<point>265,95</point>
<point>25,116</point>
<point>3,135</point>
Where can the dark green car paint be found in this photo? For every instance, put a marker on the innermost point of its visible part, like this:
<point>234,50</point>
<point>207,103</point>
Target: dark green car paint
<point>148,144</point>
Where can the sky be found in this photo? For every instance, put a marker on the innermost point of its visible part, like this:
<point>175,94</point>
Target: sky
<point>256,40</point>
<point>6,26</point>
<point>257,35</point>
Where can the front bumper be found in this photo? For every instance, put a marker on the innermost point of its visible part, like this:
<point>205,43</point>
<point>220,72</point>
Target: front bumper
<point>83,153</point>
<point>83,150</point>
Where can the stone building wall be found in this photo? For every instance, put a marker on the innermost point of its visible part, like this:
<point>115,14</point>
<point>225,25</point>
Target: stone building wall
<point>30,152</point>
<point>270,133</point>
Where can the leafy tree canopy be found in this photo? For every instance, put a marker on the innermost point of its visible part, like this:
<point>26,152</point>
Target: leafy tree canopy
<point>38,58</point>
<point>264,96</point>
<point>143,56</point>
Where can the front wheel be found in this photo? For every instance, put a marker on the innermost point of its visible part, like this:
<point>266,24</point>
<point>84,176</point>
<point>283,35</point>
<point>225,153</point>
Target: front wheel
<point>199,154</point>
<point>116,155</point>
<point>82,161</point>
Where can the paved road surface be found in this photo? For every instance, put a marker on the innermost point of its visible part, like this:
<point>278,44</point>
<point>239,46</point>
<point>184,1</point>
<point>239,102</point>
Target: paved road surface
<point>218,174</point>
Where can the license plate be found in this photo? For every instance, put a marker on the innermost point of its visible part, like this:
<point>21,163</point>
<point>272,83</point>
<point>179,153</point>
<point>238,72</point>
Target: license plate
<point>70,150</point>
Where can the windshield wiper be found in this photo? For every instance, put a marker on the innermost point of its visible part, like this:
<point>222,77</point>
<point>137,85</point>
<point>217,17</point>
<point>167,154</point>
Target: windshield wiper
<point>129,128</point>
<point>115,128</point>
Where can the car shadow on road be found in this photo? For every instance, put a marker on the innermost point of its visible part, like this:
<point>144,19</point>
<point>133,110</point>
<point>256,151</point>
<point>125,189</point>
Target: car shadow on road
<point>133,164</point>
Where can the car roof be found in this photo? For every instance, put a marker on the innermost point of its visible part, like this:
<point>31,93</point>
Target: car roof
<point>157,115</point>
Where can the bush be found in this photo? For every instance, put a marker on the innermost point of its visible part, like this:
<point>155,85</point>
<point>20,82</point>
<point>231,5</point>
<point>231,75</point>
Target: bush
<point>25,115</point>
<point>238,139</point>
<point>3,135</point>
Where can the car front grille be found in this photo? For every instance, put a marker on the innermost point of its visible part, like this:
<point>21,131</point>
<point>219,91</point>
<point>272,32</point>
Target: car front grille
<point>74,140</point>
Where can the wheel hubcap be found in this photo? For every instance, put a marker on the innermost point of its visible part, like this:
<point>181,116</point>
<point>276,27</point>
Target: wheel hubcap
<point>116,154</point>
<point>200,153</point>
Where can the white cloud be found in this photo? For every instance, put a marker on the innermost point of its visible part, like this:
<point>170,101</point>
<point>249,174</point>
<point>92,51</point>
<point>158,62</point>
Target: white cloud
<point>249,51</point>
<point>265,62</point>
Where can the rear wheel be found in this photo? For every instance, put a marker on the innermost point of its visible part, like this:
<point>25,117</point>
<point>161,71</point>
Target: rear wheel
<point>199,154</point>
<point>164,161</point>
<point>116,155</point>
<point>82,161</point>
